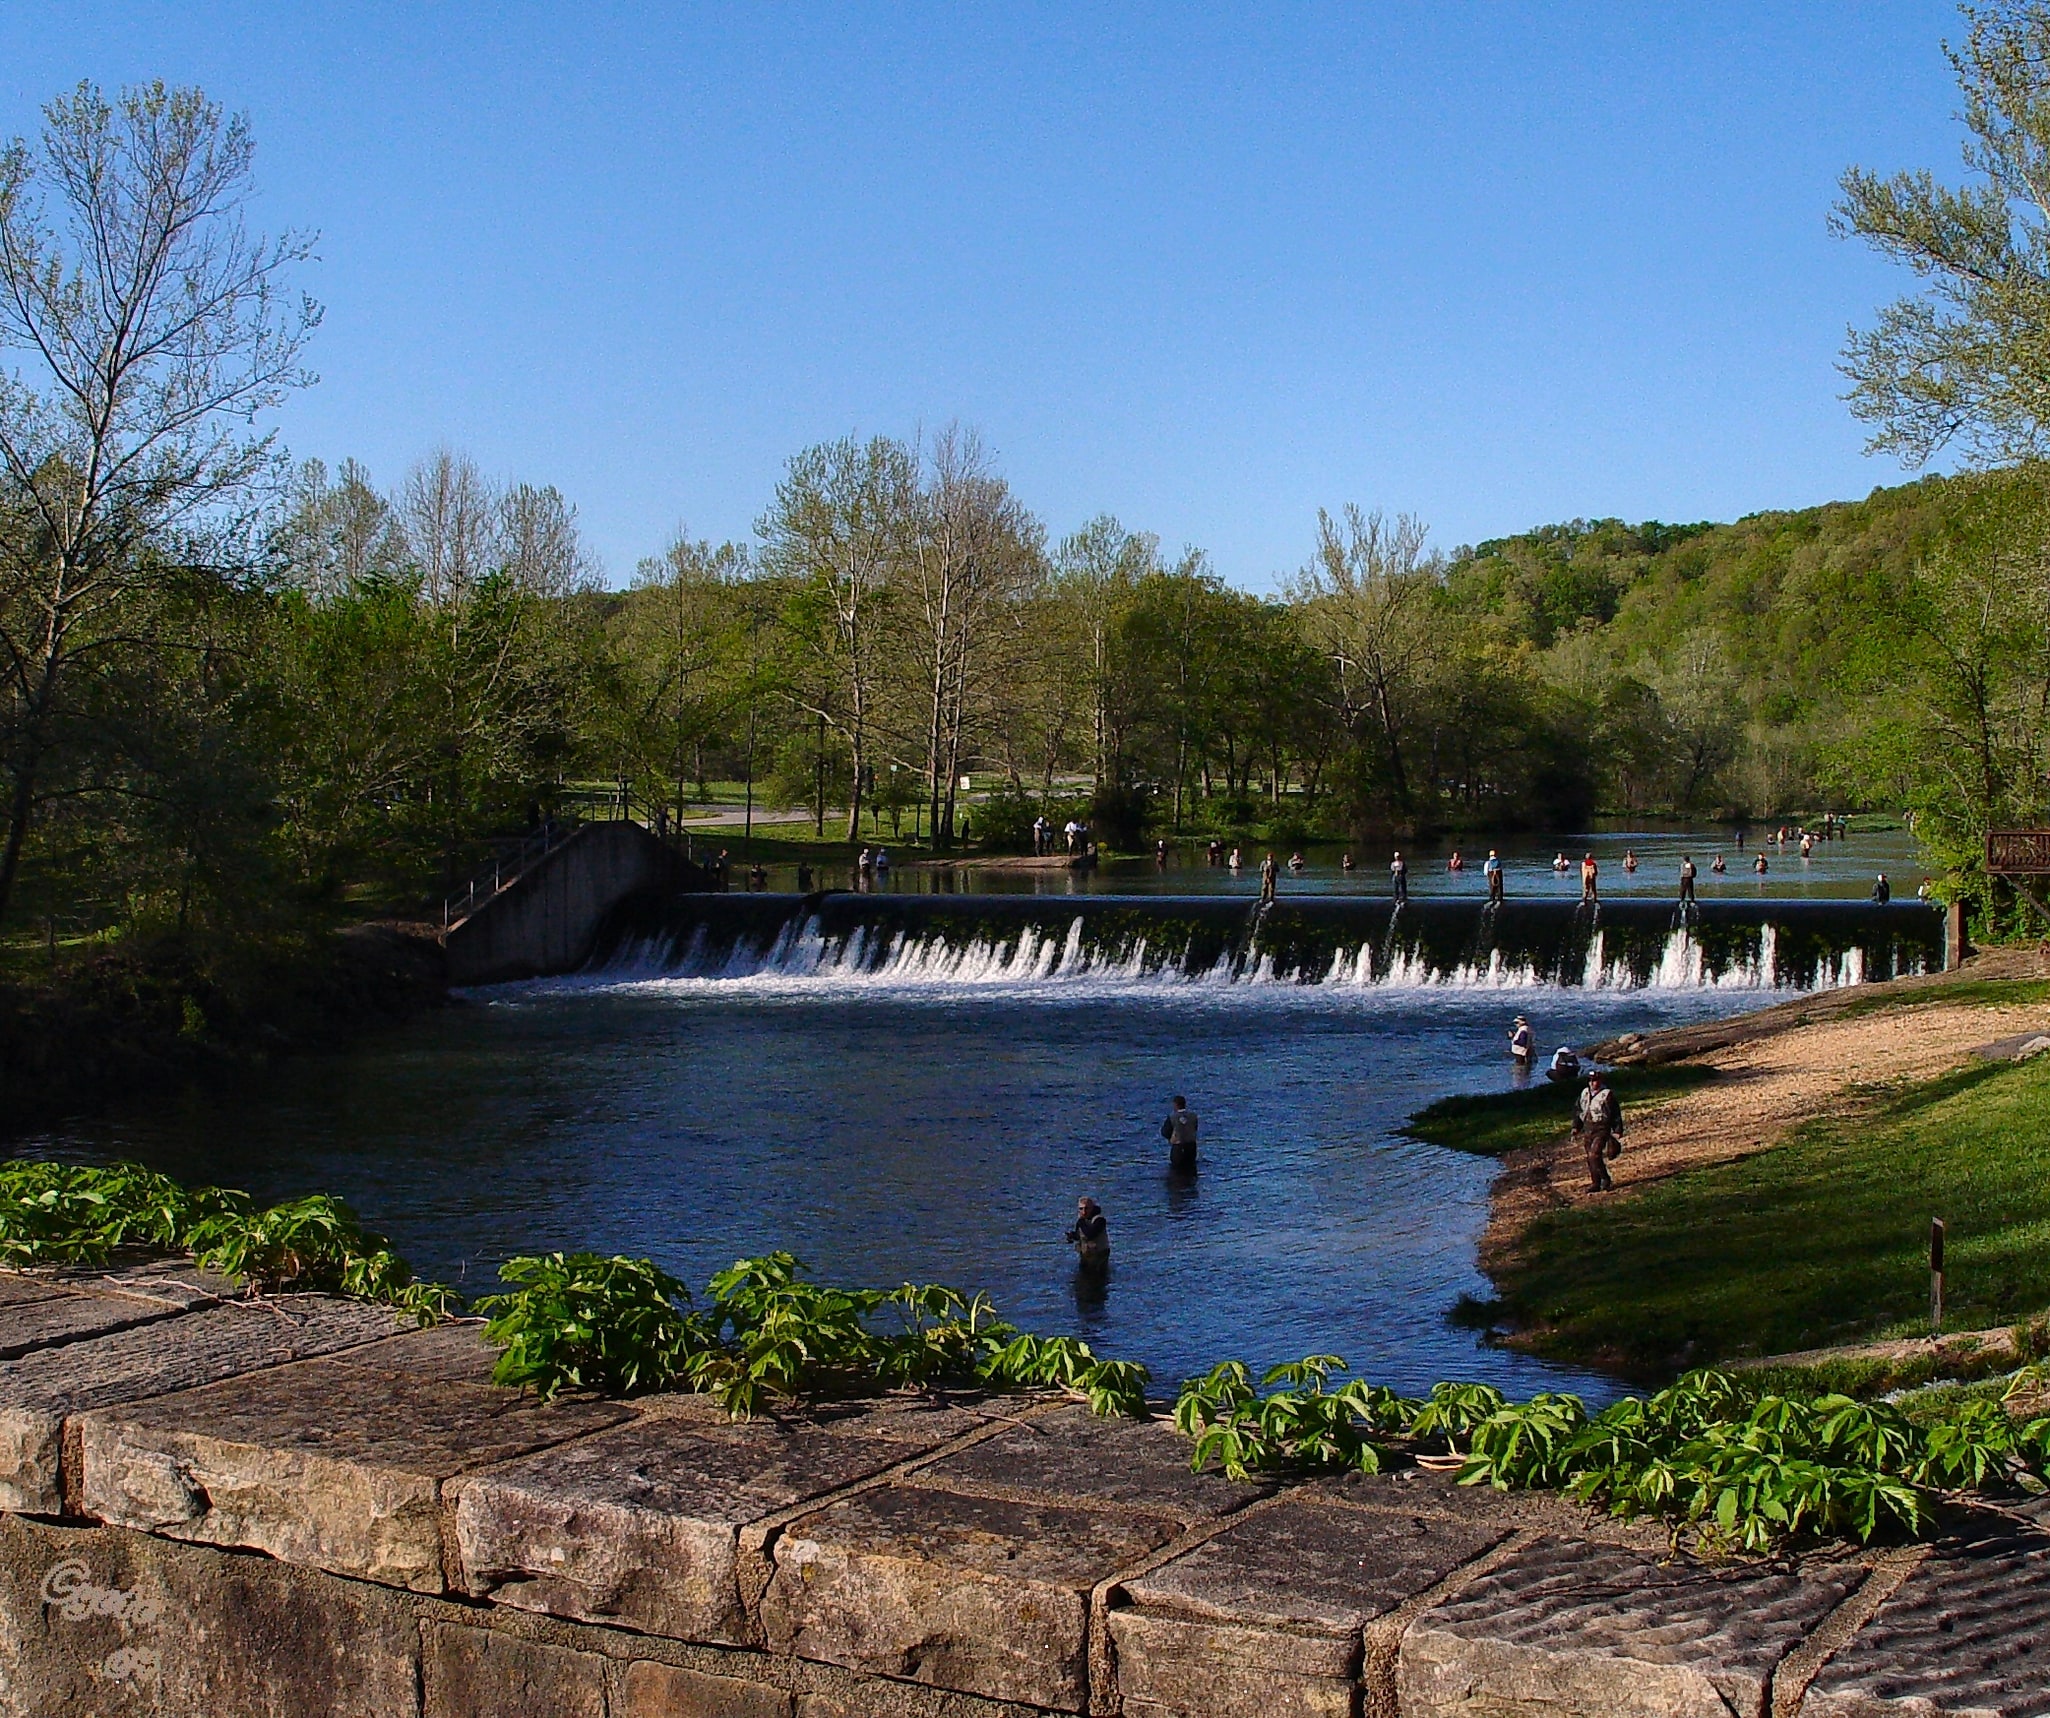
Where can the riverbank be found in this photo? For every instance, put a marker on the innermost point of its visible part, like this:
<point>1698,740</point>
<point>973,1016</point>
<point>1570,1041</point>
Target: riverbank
<point>141,1019</point>
<point>1780,1173</point>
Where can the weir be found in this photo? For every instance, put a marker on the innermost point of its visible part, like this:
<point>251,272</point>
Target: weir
<point>998,939</point>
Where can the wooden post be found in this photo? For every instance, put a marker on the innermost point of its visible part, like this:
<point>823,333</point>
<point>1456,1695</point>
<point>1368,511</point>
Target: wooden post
<point>1936,1276</point>
<point>1953,936</point>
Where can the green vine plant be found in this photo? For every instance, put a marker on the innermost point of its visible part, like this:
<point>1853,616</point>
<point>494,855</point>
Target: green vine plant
<point>79,1215</point>
<point>768,1337</point>
<point>1731,1467</point>
<point>1734,1467</point>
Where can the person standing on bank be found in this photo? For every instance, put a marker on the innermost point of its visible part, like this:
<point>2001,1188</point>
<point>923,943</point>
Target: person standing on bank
<point>1398,874</point>
<point>1687,877</point>
<point>1179,1130</point>
<point>1270,875</point>
<point>1598,1121</point>
<point>1492,870</point>
<point>1090,1236</point>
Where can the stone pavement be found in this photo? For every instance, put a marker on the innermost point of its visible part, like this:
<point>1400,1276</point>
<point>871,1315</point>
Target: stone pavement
<point>304,1506</point>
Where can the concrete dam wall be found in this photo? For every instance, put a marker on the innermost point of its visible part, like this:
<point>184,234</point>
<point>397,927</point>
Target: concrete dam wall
<point>548,921</point>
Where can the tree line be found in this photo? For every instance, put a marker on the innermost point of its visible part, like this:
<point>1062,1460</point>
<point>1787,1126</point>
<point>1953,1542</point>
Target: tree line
<point>232,685</point>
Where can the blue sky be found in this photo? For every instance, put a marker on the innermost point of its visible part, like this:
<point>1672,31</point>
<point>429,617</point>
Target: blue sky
<point>1204,268</point>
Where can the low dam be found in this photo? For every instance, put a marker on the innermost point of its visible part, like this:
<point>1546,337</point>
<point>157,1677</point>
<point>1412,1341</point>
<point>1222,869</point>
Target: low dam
<point>992,939</point>
<point>300,1508</point>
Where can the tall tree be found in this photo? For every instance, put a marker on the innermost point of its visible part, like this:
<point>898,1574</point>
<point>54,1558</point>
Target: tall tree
<point>841,530</point>
<point>1367,602</point>
<point>150,329</point>
<point>1967,359</point>
<point>976,555</point>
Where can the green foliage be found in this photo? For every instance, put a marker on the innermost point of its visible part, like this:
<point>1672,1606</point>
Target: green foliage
<point>580,1321</point>
<point>73,1214</point>
<point>1818,1242</point>
<point>1735,1468</point>
<point>1493,1124</point>
<point>767,1336</point>
<point>1301,1424</point>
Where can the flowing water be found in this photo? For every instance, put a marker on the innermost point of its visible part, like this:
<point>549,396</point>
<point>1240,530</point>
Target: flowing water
<point>921,1086</point>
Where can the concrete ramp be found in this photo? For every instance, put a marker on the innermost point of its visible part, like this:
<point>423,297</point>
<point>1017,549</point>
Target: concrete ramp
<point>546,921</point>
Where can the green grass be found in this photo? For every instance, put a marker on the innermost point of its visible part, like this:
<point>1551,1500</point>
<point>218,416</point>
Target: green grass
<point>1501,1122</point>
<point>1820,1241</point>
<point>1975,993</point>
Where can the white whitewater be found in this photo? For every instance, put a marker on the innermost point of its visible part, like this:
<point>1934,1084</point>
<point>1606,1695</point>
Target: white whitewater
<point>1033,958</point>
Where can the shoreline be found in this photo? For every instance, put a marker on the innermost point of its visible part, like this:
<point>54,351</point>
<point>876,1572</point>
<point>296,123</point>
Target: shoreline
<point>1754,1083</point>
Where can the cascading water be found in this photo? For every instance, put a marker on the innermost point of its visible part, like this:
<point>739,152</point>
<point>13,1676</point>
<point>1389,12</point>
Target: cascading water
<point>1001,942</point>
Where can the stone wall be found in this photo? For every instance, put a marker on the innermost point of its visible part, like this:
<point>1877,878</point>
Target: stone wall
<point>299,1507</point>
<point>548,921</point>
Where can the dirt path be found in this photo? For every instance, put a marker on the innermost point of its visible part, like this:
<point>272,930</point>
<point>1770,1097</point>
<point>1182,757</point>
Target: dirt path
<point>1769,1083</point>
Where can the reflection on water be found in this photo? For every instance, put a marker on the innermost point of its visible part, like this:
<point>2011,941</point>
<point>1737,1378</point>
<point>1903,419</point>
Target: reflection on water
<point>885,1131</point>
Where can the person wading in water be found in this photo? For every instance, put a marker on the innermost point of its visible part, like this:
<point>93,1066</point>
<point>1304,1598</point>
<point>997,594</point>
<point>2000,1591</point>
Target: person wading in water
<point>1687,877</point>
<point>1590,879</point>
<point>1598,1122</point>
<point>1091,1235</point>
<point>1270,874</point>
<point>1398,874</point>
<point>1493,871</point>
<point>1179,1130</point>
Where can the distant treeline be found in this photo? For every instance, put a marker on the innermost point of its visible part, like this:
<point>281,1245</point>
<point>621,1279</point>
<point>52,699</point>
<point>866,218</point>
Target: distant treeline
<point>385,679</point>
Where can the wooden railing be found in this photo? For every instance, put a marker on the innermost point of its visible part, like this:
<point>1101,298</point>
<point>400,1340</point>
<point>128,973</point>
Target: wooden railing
<point>2018,852</point>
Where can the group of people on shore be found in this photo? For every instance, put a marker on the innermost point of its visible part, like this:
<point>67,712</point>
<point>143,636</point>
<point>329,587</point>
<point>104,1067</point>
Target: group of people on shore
<point>1597,1115</point>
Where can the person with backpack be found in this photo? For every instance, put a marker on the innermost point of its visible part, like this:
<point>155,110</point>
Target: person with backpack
<point>1179,1130</point>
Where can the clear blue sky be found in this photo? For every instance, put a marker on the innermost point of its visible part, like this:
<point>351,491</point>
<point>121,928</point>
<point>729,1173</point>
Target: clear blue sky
<point>1204,268</point>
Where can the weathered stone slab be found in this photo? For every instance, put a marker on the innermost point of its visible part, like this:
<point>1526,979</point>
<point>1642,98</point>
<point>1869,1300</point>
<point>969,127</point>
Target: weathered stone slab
<point>669,1691</point>
<point>475,1673</point>
<point>641,1525</point>
<point>336,1464</point>
<point>61,1318</point>
<point>39,1390</point>
<point>1267,1617</point>
<point>46,1311</point>
<point>985,1595</point>
<point>1580,1630</point>
<point>1966,1636</point>
<point>1073,1456</point>
<point>109,1624</point>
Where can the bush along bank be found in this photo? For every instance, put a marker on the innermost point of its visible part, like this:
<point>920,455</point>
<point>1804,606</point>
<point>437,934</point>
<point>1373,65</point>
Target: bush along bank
<point>141,1018</point>
<point>1726,1464</point>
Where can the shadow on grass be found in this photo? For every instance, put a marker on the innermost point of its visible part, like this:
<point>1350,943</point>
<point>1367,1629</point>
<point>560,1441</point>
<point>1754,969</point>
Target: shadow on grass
<point>1821,1240</point>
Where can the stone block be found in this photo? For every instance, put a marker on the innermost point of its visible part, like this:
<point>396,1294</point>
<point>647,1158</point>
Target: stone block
<point>669,1691</point>
<point>984,1595</point>
<point>1073,1456</point>
<point>39,1390</point>
<point>65,1317</point>
<point>103,1623</point>
<point>640,1525</point>
<point>1967,1635</point>
<point>336,1464</point>
<point>1581,1630</point>
<point>1266,1618</point>
<point>476,1673</point>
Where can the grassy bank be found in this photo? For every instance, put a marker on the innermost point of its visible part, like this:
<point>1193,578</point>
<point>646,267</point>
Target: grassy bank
<point>1821,1240</point>
<point>1497,1123</point>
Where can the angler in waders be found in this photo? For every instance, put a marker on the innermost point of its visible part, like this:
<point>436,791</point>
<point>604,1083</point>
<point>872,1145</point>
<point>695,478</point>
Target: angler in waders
<point>1598,1125</point>
<point>1179,1130</point>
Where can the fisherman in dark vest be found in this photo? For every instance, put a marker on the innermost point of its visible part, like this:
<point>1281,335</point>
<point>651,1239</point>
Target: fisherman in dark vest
<point>1091,1235</point>
<point>1179,1130</point>
<point>1598,1123</point>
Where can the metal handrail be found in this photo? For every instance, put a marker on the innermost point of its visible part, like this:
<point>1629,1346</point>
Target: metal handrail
<point>620,806</point>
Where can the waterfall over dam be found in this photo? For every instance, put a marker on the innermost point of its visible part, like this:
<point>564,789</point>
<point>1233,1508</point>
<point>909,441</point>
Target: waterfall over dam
<point>994,940</point>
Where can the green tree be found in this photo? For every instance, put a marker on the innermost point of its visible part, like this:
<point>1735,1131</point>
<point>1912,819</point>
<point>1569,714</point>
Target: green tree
<point>151,328</point>
<point>1967,359</point>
